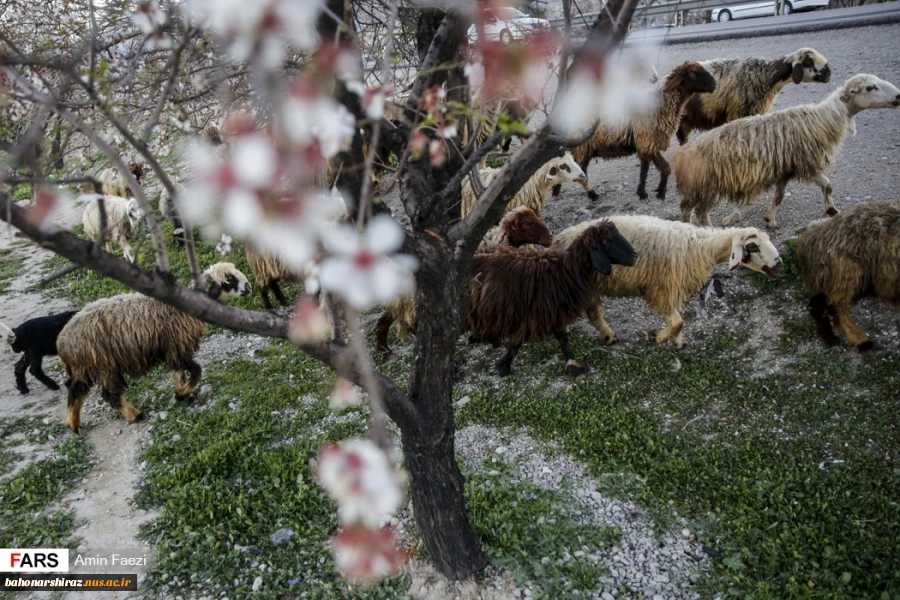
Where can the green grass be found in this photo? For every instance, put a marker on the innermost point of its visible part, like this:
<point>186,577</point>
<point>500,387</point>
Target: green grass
<point>26,499</point>
<point>10,267</point>
<point>740,455</point>
<point>529,531</point>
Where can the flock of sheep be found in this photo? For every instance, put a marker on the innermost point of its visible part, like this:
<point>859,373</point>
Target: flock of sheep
<point>524,282</point>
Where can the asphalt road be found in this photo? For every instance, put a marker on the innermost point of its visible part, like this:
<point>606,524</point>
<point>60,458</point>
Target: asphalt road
<point>819,20</point>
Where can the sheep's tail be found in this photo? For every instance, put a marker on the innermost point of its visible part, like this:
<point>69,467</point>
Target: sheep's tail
<point>820,311</point>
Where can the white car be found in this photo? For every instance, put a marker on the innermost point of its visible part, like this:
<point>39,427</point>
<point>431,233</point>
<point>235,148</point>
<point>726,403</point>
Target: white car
<point>764,9</point>
<point>508,24</point>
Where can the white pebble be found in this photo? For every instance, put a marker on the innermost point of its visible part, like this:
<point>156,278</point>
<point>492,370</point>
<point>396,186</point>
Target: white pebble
<point>257,584</point>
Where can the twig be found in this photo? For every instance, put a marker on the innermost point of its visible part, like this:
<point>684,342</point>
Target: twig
<point>377,428</point>
<point>49,278</point>
<point>101,235</point>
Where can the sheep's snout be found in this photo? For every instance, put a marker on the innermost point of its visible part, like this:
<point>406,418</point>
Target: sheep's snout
<point>823,76</point>
<point>774,270</point>
<point>246,288</point>
<point>896,101</point>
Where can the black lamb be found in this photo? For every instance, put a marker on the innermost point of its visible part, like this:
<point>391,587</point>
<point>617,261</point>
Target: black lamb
<point>35,338</point>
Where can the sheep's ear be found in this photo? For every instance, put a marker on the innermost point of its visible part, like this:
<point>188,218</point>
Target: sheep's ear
<point>601,261</point>
<point>797,73</point>
<point>214,291</point>
<point>737,253</point>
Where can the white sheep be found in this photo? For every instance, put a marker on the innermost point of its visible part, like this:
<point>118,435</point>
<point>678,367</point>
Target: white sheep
<point>533,193</point>
<point>675,260</point>
<point>113,184</point>
<point>744,158</point>
<point>122,218</point>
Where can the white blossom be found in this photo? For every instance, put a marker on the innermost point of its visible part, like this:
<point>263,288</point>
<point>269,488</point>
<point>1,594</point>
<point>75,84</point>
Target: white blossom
<point>344,395</point>
<point>148,17</point>
<point>224,245</point>
<point>367,554</point>
<point>358,475</point>
<point>620,95</point>
<point>360,269</point>
<point>309,324</point>
<point>314,118</point>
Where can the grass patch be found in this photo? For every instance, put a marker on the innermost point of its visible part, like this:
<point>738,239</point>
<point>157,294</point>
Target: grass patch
<point>529,531</point>
<point>233,470</point>
<point>25,521</point>
<point>10,267</point>
<point>750,458</point>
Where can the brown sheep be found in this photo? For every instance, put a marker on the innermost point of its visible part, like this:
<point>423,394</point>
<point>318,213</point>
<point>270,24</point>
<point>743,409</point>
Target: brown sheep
<point>518,227</point>
<point>746,87</point>
<point>522,295</point>
<point>112,183</point>
<point>648,135</point>
<point>130,334</point>
<point>851,256</point>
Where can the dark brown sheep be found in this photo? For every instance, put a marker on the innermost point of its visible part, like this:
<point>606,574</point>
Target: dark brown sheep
<point>521,295</point>
<point>853,255</point>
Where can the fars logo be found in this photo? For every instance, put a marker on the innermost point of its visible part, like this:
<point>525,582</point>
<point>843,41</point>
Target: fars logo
<point>34,560</point>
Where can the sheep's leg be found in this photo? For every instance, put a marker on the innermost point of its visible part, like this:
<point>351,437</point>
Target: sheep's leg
<point>589,189</point>
<point>818,308</point>
<point>662,165</point>
<point>78,391</point>
<point>506,144</point>
<point>572,365</point>
<point>683,133</point>
<point>674,325</point>
<point>278,295</point>
<point>504,365</point>
<point>264,294</point>
<point>556,189</point>
<point>185,385</point>
<point>127,251</point>
<point>642,182</point>
<point>382,327</point>
<point>703,217</point>
<point>115,399</point>
<point>36,369</point>
<point>853,332</point>
<point>830,208</point>
<point>771,217</point>
<point>687,208</point>
<point>21,367</point>
<point>595,316</point>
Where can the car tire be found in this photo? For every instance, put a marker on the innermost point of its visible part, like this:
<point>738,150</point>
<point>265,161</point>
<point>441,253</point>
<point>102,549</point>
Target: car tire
<point>506,37</point>
<point>787,9</point>
<point>724,16</point>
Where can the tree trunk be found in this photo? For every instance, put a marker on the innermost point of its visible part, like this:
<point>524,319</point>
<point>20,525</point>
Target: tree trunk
<point>428,446</point>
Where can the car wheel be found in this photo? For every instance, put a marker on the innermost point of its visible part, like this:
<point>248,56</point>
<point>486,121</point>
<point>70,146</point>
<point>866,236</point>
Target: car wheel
<point>506,37</point>
<point>724,16</point>
<point>787,9</point>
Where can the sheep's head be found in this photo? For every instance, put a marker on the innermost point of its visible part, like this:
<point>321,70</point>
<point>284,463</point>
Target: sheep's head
<point>752,248</point>
<point>564,170</point>
<point>867,91</point>
<point>223,280</point>
<point>137,169</point>
<point>7,334</point>
<point>523,226</point>
<point>608,247</point>
<point>808,65</point>
<point>134,211</point>
<point>691,78</point>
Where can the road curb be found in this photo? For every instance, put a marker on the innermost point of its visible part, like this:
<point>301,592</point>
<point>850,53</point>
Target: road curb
<point>787,29</point>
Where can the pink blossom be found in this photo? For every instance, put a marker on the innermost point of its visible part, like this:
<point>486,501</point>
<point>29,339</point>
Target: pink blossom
<point>418,142</point>
<point>311,119</point>
<point>224,245</point>
<point>50,210</point>
<point>309,323</point>
<point>365,554</point>
<point>373,98</point>
<point>344,395</point>
<point>359,269</point>
<point>358,475</point>
<point>148,16</point>
<point>437,153</point>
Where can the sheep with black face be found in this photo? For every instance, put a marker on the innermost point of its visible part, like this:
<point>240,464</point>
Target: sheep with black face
<point>35,339</point>
<point>522,295</point>
<point>129,335</point>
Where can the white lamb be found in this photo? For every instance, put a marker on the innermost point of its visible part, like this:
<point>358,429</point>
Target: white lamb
<point>122,218</point>
<point>675,260</point>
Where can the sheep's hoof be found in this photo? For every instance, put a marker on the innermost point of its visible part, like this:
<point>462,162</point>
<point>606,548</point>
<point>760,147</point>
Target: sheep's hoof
<point>504,369</point>
<point>187,398</point>
<point>385,352</point>
<point>661,195</point>
<point>140,416</point>
<point>592,195</point>
<point>610,340</point>
<point>24,391</point>
<point>866,346</point>
<point>831,211</point>
<point>574,369</point>
<point>682,346</point>
<point>770,222</point>
<point>76,430</point>
<point>653,336</point>
<point>830,341</point>
<point>642,195</point>
<point>53,386</point>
